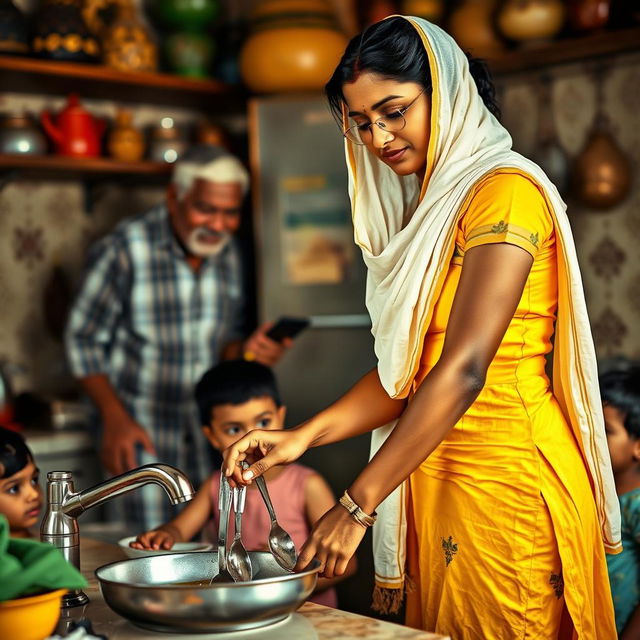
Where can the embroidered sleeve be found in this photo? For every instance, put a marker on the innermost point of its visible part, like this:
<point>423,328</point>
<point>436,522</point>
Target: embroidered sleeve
<point>507,208</point>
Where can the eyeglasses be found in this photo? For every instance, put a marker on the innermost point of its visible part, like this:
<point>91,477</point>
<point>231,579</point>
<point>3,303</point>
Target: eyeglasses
<point>392,122</point>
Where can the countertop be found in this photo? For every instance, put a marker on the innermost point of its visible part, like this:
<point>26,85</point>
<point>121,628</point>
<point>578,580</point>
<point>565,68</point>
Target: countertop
<point>310,622</point>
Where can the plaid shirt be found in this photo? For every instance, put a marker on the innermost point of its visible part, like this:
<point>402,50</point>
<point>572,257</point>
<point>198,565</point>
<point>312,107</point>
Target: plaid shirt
<point>150,323</point>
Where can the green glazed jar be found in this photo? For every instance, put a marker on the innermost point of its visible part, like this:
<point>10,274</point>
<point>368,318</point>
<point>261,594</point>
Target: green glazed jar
<point>188,15</point>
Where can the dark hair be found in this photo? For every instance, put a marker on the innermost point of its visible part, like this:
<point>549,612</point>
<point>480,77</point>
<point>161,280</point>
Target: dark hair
<point>14,453</point>
<point>234,382</point>
<point>393,49</point>
<point>621,389</point>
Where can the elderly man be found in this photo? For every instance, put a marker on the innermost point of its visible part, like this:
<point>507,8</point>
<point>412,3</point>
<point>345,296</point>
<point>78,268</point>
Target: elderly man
<point>162,301</point>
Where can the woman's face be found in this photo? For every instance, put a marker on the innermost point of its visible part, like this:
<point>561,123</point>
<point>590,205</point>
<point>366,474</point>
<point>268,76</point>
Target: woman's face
<point>371,97</point>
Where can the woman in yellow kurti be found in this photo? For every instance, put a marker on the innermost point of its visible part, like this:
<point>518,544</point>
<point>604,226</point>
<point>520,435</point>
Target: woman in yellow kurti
<point>495,495</point>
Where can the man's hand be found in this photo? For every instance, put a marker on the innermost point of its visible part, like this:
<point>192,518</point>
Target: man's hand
<point>119,439</point>
<point>263,349</point>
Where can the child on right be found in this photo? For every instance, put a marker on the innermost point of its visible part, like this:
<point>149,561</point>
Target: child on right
<point>236,397</point>
<point>621,399</point>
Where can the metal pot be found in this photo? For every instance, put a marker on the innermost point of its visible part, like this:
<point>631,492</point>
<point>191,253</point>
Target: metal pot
<point>20,134</point>
<point>171,593</point>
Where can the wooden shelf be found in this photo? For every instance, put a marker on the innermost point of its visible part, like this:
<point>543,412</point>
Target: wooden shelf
<point>31,75</point>
<point>63,166</point>
<point>604,43</point>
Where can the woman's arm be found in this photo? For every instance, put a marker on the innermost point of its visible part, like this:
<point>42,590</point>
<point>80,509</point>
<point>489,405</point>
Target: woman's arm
<point>363,408</point>
<point>491,284</point>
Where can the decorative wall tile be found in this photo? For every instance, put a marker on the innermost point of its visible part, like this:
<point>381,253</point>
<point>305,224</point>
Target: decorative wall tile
<point>28,244</point>
<point>609,332</point>
<point>607,259</point>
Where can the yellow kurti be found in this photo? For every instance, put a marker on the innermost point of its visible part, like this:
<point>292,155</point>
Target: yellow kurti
<point>502,511</point>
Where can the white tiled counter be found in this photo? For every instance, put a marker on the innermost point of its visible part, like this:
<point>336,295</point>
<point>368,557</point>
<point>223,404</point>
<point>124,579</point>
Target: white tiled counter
<point>310,622</point>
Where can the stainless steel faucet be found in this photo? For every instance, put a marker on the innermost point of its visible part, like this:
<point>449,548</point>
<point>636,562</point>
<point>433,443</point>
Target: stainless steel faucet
<point>64,505</point>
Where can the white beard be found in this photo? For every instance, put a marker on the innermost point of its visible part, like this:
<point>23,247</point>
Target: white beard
<point>198,247</point>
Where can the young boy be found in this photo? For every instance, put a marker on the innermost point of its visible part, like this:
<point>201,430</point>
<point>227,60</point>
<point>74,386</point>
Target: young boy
<point>621,398</point>
<point>233,398</point>
<point>20,493</point>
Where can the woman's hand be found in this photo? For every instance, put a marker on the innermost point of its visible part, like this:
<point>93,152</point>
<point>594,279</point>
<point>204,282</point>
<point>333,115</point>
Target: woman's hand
<point>264,449</point>
<point>157,539</point>
<point>333,541</point>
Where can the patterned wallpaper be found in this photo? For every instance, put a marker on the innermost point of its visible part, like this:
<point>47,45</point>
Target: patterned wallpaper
<point>607,241</point>
<point>45,226</point>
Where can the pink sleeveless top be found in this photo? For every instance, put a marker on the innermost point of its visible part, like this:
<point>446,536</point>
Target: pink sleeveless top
<point>287,495</point>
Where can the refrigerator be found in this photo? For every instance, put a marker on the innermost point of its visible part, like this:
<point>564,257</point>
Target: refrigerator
<point>307,264</point>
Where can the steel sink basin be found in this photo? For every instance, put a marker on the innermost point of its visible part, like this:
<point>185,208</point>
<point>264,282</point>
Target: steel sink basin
<point>171,593</point>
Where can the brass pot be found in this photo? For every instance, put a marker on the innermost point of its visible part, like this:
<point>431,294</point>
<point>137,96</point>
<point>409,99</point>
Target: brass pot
<point>601,173</point>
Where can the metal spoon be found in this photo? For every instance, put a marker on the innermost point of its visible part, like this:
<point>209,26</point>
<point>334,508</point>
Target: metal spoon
<point>238,560</point>
<point>280,542</point>
<point>224,506</point>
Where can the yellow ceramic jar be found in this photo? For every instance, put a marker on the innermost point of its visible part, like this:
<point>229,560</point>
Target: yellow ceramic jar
<point>531,20</point>
<point>125,143</point>
<point>294,46</point>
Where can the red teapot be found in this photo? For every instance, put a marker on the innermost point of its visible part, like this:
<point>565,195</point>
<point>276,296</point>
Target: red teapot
<point>76,132</point>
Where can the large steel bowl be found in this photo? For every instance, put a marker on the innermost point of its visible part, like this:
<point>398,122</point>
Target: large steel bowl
<point>148,592</point>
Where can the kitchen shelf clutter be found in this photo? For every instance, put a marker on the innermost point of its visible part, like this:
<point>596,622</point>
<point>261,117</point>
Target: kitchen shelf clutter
<point>53,77</point>
<point>587,47</point>
<point>30,75</point>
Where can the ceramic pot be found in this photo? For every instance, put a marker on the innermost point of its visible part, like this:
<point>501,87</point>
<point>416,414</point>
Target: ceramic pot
<point>531,20</point>
<point>294,46</point>
<point>14,32</point>
<point>126,44</point>
<point>472,26</point>
<point>126,143</point>
<point>166,142</point>
<point>601,173</point>
<point>75,131</point>
<point>187,15</point>
<point>60,32</point>
<point>588,15</point>
<point>20,134</point>
<point>189,53</point>
<point>431,10</point>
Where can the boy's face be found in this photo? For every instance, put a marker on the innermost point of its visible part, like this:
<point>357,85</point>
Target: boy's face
<point>229,422</point>
<point>21,498</point>
<point>623,449</point>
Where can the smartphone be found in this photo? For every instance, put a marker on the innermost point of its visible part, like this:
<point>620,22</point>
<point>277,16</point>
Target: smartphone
<point>287,327</point>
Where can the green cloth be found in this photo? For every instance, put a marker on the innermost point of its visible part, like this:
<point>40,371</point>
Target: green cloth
<point>28,567</point>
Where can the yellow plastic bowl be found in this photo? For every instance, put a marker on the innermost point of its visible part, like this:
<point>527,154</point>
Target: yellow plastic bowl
<point>30,618</point>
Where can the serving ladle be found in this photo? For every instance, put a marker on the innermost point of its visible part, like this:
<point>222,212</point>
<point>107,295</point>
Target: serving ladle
<point>280,542</point>
<point>238,560</point>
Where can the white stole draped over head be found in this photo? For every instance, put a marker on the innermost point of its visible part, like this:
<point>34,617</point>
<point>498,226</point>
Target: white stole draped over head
<point>406,231</point>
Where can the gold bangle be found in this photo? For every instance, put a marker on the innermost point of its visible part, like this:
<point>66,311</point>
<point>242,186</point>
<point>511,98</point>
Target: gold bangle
<point>356,512</point>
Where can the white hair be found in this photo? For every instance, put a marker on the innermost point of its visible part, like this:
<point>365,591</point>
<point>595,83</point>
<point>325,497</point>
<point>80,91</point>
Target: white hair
<point>226,169</point>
